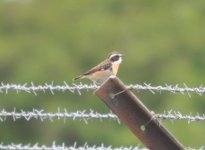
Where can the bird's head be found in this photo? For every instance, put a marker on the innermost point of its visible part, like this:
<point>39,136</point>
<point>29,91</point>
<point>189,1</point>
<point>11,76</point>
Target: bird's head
<point>115,57</point>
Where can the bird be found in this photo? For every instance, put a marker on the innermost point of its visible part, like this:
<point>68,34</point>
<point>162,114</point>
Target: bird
<point>101,72</point>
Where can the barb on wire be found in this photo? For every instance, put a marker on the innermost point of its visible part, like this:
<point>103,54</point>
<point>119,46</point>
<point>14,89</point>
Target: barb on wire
<point>32,88</point>
<point>86,116</point>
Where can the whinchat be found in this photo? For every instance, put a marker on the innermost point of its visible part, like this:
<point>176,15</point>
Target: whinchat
<point>103,70</point>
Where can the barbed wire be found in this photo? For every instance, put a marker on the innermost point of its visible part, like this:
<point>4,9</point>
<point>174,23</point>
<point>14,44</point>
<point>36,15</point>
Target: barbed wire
<point>176,115</point>
<point>83,115</point>
<point>86,116</point>
<point>169,88</point>
<point>54,146</point>
<point>32,88</point>
<point>64,147</point>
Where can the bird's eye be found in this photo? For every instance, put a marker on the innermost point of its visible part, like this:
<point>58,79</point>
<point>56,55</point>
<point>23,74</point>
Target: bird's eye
<point>115,58</point>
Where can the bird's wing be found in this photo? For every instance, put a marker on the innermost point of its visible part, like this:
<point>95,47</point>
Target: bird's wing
<point>102,66</point>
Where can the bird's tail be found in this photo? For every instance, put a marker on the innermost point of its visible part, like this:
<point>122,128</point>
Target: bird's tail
<point>78,77</point>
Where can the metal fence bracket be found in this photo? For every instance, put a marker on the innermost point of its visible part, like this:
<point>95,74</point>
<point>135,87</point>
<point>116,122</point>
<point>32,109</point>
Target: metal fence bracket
<point>132,112</point>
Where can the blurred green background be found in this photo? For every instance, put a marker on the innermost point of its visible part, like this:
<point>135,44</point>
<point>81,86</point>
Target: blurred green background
<point>48,40</point>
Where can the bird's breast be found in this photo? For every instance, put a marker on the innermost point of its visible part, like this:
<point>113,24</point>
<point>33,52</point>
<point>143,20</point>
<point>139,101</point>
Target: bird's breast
<point>100,74</point>
<point>115,68</point>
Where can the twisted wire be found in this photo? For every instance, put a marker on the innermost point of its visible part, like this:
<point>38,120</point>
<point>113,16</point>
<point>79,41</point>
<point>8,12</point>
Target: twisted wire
<point>87,115</point>
<point>36,146</point>
<point>65,87</point>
